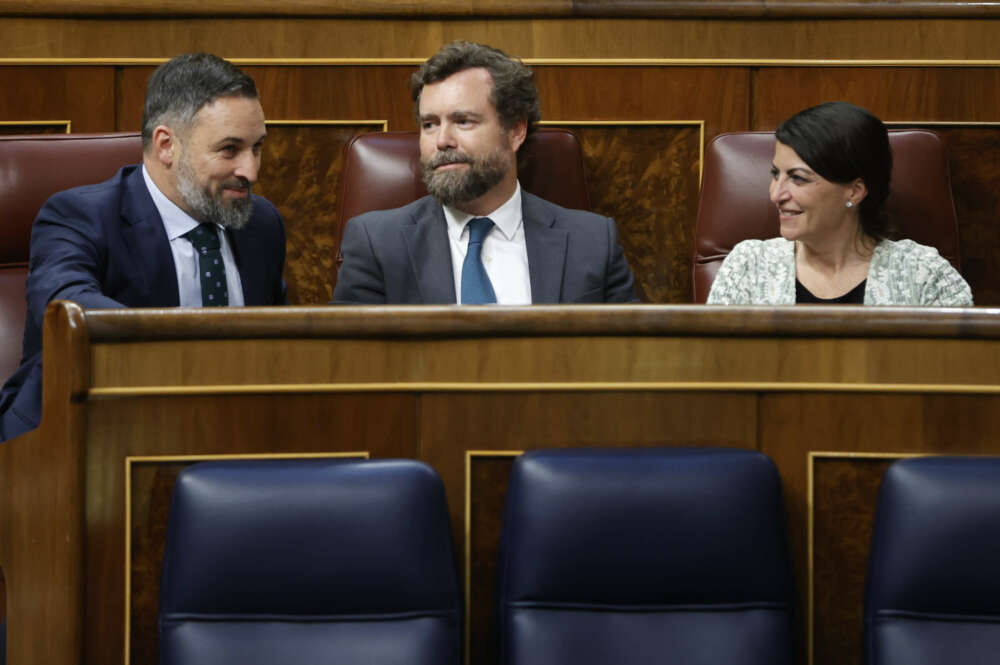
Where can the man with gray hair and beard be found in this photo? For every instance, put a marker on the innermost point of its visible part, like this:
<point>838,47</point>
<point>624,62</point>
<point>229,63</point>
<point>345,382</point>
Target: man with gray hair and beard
<point>181,229</point>
<point>478,238</point>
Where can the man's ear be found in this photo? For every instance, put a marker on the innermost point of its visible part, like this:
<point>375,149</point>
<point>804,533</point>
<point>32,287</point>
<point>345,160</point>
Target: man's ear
<point>164,145</point>
<point>517,134</point>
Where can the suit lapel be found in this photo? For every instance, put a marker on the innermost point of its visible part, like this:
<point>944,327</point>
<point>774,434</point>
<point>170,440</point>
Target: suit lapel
<point>427,243</point>
<point>246,250</point>
<point>148,244</point>
<point>546,250</point>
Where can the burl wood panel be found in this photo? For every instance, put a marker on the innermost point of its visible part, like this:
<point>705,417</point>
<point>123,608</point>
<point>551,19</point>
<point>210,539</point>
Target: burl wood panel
<point>300,174</point>
<point>82,95</point>
<point>382,425</point>
<point>646,177</point>
<point>845,495</point>
<point>489,476</point>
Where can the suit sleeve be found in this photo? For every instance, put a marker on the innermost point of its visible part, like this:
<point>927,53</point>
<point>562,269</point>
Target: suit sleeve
<point>619,284</point>
<point>360,280</point>
<point>68,259</point>
<point>279,289</point>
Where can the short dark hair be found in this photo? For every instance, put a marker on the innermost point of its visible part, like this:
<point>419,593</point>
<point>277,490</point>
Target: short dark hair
<point>514,94</point>
<point>842,142</point>
<point>180,87</point>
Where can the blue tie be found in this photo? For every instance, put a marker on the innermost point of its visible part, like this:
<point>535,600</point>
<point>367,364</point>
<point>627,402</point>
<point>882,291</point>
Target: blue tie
<point>476,286</point>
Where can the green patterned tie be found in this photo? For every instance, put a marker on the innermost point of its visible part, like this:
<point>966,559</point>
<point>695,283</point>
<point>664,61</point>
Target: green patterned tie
<point>211,269</point>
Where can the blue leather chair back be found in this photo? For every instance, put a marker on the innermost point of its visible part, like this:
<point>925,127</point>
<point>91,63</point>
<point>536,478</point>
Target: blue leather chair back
<point>645,556</point>
<point>271,562</point>
<point>933,595</point>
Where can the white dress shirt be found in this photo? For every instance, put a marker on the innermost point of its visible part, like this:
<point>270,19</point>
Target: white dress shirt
<point>505,254</point>
<point>176,222</point>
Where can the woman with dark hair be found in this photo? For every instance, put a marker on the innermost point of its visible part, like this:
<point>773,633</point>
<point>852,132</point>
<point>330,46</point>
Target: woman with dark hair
<point>830,182</point>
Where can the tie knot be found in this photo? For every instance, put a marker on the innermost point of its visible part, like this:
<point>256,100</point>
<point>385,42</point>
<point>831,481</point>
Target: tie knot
<point>478,228</point>
<point>205,237</point>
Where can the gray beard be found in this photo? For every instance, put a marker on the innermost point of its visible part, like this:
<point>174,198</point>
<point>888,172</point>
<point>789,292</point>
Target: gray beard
<point>209,208</point>
<point>457,187</point>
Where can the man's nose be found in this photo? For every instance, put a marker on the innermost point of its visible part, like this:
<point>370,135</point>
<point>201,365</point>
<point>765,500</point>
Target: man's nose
<point>248,166</point>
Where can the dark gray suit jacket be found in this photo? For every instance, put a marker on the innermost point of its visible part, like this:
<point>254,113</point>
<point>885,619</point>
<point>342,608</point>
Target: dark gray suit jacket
<point>402,256</point>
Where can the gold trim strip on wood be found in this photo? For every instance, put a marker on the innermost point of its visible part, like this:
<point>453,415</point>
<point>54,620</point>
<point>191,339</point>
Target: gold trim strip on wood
<point>467,581</point>
<point>563,62</point>
<point>565,386</point>
<point>382,124</point>
<point>810,520</point>
<point>144,459</point>
<point>68,124</point>
<point>918,124</point>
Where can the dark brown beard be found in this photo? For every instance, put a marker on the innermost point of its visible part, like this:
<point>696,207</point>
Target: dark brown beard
<point>457,187</point>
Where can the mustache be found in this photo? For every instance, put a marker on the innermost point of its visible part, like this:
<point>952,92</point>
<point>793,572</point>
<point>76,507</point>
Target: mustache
<point>448,157</point>
<point>239,183</point>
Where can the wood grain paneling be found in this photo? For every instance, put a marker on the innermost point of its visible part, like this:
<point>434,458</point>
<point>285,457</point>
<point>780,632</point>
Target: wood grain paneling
<point>345,93</point>
<point>300,174</point>
<point>527,8</point>
<point>82,95</point>
<point>646,93</point>
<point>893,94</point>
<point>280,37</point>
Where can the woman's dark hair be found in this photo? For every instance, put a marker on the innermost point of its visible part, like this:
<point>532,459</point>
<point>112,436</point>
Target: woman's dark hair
<point>842,142</point>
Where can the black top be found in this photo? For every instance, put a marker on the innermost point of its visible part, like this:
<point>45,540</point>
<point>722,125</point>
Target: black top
<point>855,296</point>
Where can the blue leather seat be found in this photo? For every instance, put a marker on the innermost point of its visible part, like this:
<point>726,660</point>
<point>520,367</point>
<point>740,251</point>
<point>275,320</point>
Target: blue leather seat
<point>318,561</point>
<point>933,595</point>
<point>644,556</point>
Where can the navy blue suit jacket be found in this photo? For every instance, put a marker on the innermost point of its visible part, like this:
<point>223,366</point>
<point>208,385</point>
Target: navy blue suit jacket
<point>402,256</point>
<point>104,246</point>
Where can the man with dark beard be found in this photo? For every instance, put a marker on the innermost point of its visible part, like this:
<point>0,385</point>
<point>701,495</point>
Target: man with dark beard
<point>180,229</point>
<point>478,238</point>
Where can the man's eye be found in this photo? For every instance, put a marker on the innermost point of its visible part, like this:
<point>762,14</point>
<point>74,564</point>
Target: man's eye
<point>230,150</point>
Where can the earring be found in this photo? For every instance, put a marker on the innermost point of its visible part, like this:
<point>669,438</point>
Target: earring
<point>849,204</point>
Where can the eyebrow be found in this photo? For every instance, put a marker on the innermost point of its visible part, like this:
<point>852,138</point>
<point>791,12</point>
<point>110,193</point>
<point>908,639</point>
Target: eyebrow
<point>801,169</point>
<point>237,139</point>
<point>452,115</point>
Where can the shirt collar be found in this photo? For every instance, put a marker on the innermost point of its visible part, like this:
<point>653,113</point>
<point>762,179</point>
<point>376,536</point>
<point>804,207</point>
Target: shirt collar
<point>507,217</point>
<point>175,221</point>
